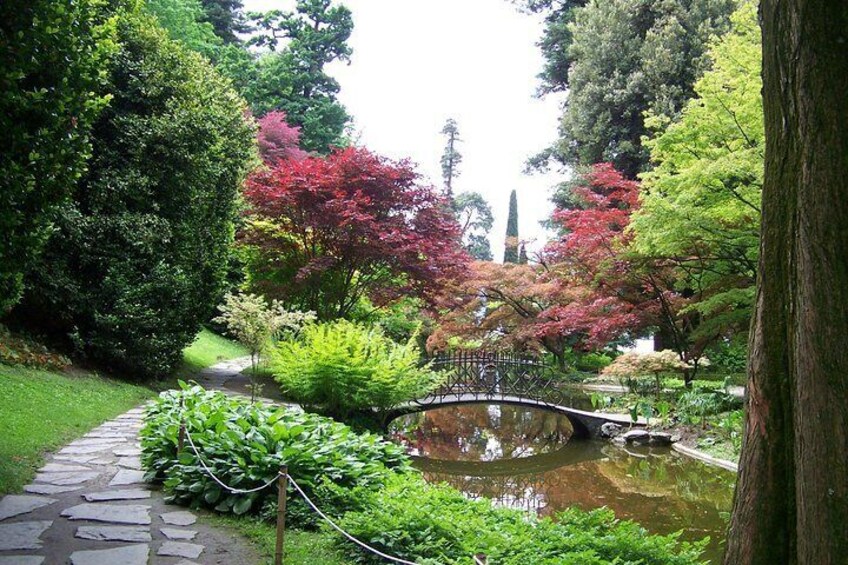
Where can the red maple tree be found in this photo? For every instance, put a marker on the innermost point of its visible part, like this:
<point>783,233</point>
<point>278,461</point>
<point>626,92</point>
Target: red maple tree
<point>278,140</point>
<point>326,231</point>
<point>593,253</point>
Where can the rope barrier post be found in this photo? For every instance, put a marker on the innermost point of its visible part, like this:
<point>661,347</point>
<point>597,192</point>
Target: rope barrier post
<point>181,436</point>
<point>480,559</point>
<point>282,486</point>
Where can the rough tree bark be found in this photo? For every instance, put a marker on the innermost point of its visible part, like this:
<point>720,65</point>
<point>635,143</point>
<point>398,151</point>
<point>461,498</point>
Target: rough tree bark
<point>791,502</point>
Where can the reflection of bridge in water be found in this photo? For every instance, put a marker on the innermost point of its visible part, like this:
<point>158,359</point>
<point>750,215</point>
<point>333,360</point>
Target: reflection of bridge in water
<point>475,377</point>
<point>516,483</point>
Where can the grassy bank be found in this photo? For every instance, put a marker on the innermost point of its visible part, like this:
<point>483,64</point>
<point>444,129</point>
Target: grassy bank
<point>208,349</point>
<point>42,411</point>
<point>301,547</point>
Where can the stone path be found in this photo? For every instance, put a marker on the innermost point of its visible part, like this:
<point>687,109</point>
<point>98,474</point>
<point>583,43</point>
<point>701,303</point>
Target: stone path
<point>89,505</point>
<point>216,376</point>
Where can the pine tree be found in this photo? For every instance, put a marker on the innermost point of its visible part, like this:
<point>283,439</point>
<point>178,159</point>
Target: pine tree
<point>451,158</point>
<point>226,18</point>
<point>511,243</point>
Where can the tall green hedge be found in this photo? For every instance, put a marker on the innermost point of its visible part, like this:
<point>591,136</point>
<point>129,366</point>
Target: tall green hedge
<point>51,91</point>
<point>139,256</point>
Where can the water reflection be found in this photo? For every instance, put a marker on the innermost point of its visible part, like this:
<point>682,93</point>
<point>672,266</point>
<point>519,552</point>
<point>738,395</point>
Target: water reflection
<point>481,432</point>
<point>522,458</point>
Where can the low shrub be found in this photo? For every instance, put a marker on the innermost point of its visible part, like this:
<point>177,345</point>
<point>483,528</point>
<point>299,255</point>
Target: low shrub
<point>416,521</point>
<point>245,444</point>
<point>592,362</point>
<point>341,368</point>
<point>695,406</point>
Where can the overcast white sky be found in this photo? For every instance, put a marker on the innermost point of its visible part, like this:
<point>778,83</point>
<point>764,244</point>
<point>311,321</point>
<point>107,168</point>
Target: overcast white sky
<point>417,62</point>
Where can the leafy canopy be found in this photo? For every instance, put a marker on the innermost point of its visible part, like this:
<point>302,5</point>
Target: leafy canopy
<point>475,222</point>
<point>325,232</point>
<point>621,58</point>
<point>701,203</point>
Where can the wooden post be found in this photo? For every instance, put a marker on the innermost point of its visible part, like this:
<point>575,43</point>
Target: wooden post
<point>181,436</point>
<point>282,486</point>
<point>480,559</point>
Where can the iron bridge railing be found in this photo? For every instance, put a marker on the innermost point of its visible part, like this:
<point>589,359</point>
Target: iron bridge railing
<point>496,375</point>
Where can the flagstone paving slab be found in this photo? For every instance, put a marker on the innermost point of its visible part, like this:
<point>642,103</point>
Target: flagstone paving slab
<point>37,488</point>
<point>86,449</point>
<point>22,535</point>
<point>62,468</point>
<point>128,452</point>
<point>127,494</point>
<point>114,533</point>
<point>117,514</point>
<point>75,458</point>
<point>180,549</point>
<point>110,441</point>
<point>23,560</point>
<point>16,504</point>
<point>127,555</point>
<point>178,534</point>
<point>127,477</point>
<point>179,518</point>
<point>130,462</point>
<point>65,479</point>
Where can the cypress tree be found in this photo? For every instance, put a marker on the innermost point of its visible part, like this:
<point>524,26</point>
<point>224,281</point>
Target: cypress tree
<point>511,243</point>
<point>522,255</point>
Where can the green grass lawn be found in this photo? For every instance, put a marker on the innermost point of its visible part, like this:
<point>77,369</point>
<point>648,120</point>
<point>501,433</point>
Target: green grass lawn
<point>208,349</point>
<point>301,548</point>
<point>42,411</point>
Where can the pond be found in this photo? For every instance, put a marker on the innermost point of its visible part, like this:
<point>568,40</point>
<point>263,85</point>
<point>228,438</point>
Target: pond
<point>523,458</point>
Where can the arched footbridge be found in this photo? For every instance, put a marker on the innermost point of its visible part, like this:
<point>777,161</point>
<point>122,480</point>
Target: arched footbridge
<point>503,378</point>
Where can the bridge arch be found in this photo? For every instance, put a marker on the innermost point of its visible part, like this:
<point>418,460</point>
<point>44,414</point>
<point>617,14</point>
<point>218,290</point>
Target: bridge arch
<point>481,377</point>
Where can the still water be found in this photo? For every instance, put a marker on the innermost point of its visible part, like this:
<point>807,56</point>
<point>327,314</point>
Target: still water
<point>522,458</point>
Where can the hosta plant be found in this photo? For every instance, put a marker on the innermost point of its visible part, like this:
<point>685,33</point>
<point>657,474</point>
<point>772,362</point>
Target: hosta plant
<point>245,445</point>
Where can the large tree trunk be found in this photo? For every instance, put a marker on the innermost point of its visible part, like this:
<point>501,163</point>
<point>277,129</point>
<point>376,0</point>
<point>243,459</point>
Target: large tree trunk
<point>791,503</point>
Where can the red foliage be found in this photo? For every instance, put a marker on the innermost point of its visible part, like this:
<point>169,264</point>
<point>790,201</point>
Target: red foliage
<point>349,225</point>
<point>278,140</point>
<point>595,233</point>
<point>625,293</point>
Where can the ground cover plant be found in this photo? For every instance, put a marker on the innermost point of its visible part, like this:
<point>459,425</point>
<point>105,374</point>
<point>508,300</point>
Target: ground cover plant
<point>414,520</point>
<point>43,410</point>
<point>19,350</point>
<point>246,443</point>
<point>343,368</point>
<point>306,547</point>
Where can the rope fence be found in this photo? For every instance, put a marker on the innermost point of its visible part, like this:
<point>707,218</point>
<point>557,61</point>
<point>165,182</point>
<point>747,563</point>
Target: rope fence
<point>282,479</point>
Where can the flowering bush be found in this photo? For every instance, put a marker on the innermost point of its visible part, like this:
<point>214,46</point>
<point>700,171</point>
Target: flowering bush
<point>654,364</point>
<point>254,323</point>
